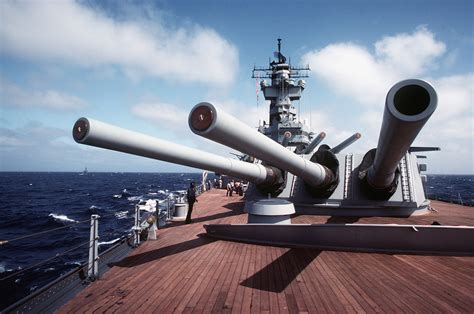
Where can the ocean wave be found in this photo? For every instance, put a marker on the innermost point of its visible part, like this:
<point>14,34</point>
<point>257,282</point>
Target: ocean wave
<point>61,218</point>
<point>123,194</point>
<point>3,269</point>
<point>47,270</point>
<point>134,198</point>
<point>93,207</point>
<point>121,215</point>
<point>109,242</point>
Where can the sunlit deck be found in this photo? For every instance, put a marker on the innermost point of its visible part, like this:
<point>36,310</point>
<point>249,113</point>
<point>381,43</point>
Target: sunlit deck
<point>186,271</point>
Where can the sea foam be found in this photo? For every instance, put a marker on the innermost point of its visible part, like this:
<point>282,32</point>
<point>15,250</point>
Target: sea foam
<point>61,218</point>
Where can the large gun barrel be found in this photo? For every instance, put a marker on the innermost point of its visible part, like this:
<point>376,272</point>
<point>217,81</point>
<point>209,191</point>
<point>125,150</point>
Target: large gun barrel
<point>408,106</point>
<point>95,133</point>
<point>213,123</point>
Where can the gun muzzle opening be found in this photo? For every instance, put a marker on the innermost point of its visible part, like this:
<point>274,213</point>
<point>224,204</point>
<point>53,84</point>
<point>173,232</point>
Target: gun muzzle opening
<point>80,129</point>
<point>201,117</point>
<point>411,100</point>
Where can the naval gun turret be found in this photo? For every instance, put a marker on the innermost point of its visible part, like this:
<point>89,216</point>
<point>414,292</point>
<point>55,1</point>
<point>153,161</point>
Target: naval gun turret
<point>289,162</point>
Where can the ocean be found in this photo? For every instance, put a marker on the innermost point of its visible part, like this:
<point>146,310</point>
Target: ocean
<point>34,202</point>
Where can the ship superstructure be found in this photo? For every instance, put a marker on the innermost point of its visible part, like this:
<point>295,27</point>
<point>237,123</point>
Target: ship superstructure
<point>286,85</point>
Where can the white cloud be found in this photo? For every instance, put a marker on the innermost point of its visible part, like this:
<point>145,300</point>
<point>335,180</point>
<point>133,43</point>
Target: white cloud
<point>354,71</point>
<point>14,96</point>
<point>365,76</point>
<point>31,135</point>
<point>455,96</point>
<point>175,118</point>
<point>38,147</point>
<point>70,32</point>
<point>250,115</point>
<point>162,114</point>
<point>409,54</point>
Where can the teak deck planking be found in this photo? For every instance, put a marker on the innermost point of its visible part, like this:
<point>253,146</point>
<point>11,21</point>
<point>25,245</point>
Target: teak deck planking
<point>186,271</point>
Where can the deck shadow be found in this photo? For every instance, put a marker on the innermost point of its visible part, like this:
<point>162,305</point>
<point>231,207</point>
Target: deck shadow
<point>204,218</point>
<point>229,213</point>
<point>146,257</point>
<point>343,219</point>
<point>277,275</point>
<point>237,206</point>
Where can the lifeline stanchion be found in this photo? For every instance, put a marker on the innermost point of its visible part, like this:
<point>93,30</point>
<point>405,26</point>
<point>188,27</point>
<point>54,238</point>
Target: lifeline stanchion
<point>168,208</point>
<point>93,272</point>
<point>136,228</point>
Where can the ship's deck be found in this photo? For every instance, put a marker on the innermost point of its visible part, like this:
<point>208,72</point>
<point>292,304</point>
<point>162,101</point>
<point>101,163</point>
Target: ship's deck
<point>186,271</point>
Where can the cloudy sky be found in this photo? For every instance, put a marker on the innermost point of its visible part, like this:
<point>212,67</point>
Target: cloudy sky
<point>143,66</point>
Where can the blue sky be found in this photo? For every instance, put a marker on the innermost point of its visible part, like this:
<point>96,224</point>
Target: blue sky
<point>144,65</point>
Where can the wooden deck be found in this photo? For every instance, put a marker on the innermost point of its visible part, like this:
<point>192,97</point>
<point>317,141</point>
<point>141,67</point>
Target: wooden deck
<point>186,271</point>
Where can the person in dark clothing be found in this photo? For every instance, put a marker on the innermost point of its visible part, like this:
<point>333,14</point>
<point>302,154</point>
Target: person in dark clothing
<point>191,195</point>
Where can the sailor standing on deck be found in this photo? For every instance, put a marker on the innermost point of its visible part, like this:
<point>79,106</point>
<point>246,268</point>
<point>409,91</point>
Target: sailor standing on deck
<point>191,195</point>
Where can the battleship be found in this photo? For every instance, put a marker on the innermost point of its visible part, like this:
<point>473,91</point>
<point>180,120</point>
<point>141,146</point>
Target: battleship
<point>319,229</point>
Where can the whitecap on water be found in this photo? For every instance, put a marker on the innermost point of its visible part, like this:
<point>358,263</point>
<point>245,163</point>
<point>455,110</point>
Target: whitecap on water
<point>93,207</point>
<point>61,218</point>
<point>3,269</point>
<point>121,215</point>
<point>134,198</point>
<point>49,269</point>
